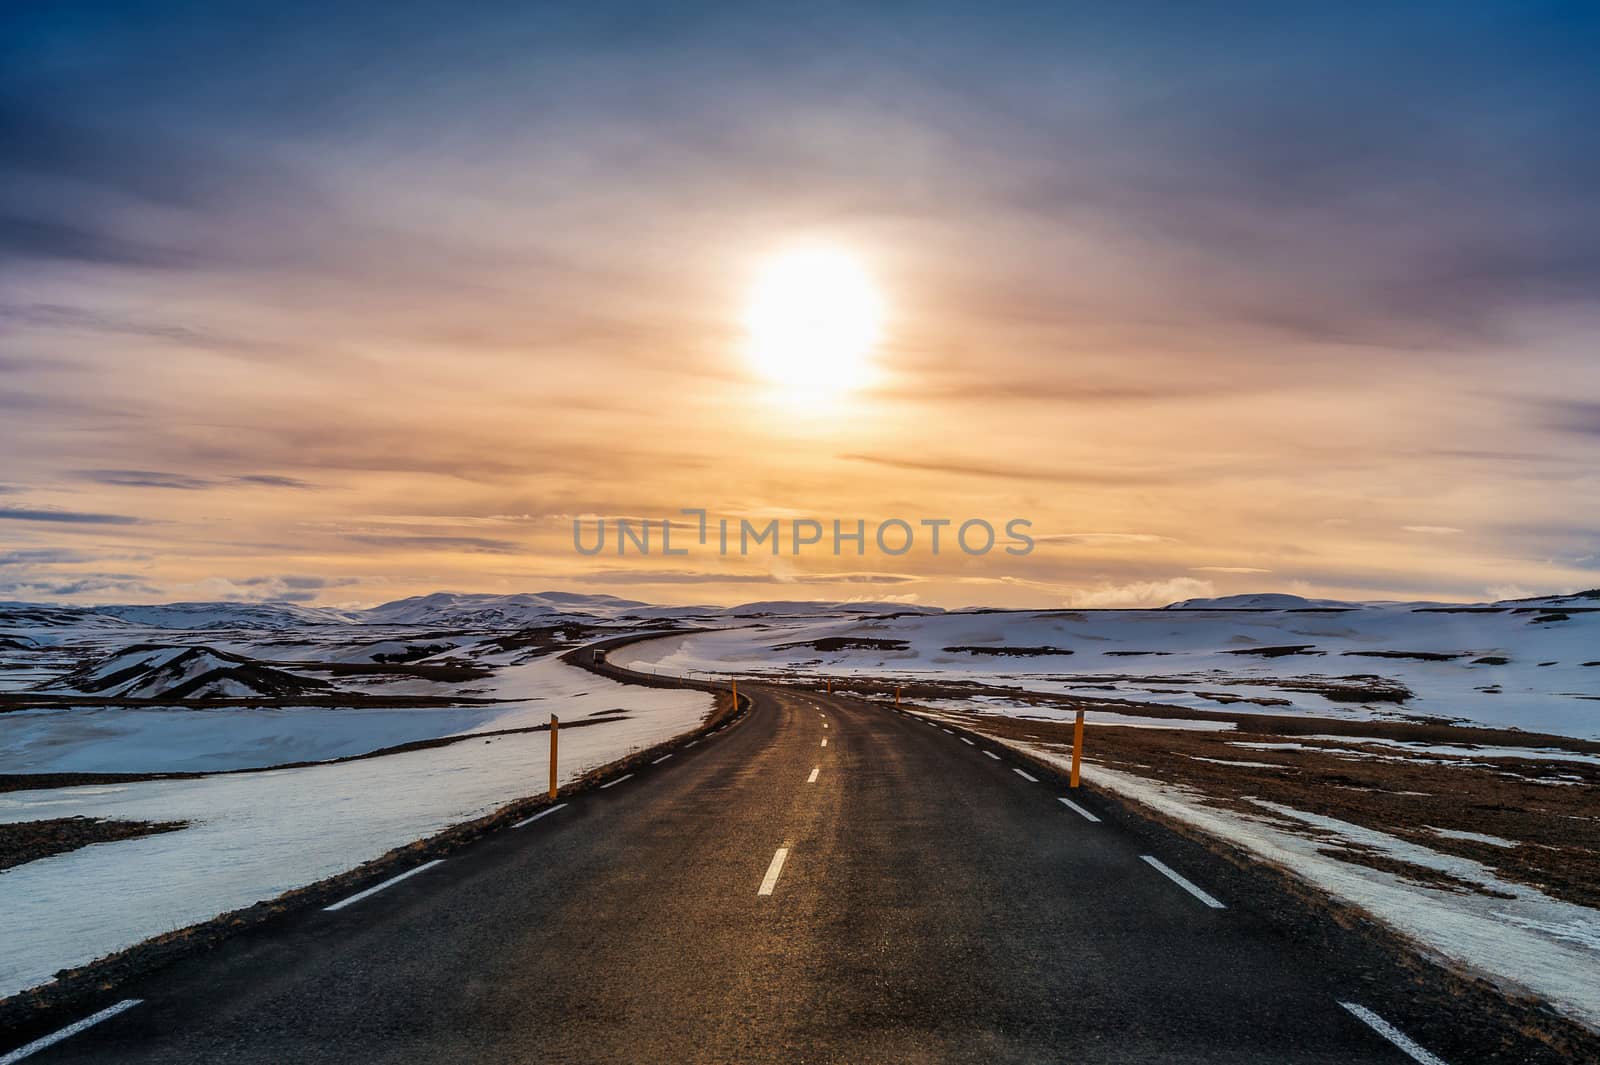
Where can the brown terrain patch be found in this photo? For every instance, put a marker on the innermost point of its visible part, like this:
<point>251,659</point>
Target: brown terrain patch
<point>845,643</point>
<point>1549,808</point>
<point>1004,650</point>
<point>27,841</point>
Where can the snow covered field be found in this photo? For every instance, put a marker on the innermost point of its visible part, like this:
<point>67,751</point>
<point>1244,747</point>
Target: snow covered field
<point>253,836</point>
<point>213,687</point>
<point>180,738</point>
<point>1510,665</point>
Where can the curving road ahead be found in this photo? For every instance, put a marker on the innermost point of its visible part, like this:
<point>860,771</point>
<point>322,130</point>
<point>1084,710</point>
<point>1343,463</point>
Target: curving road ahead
<point>932,903</point>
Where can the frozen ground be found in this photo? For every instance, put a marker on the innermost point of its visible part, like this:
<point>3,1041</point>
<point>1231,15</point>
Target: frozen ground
<point>179,738</point>
<point>1524,940</point>
<point>1511,665</point>
<point>253,836</point>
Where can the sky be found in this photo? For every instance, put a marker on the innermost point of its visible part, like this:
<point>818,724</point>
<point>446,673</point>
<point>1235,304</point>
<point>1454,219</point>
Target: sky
<point>340,304</point>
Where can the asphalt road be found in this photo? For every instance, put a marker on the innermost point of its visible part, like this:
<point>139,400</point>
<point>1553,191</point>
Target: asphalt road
<point>933,905</point>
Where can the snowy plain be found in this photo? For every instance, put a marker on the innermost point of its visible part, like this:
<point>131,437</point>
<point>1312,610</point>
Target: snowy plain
<point>253,836</point>
<point>1203,659</point>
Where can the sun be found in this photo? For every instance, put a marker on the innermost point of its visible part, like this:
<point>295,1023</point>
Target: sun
<point>813,319</point>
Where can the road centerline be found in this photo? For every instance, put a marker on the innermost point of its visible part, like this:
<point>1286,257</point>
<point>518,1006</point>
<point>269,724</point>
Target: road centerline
<point>770,881</point>
<point>812,779</point>
<point>614,783</point>
<point>1025,776</point>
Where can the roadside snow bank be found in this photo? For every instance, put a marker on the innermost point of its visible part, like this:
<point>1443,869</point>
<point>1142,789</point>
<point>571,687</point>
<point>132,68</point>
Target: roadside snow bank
<point>254,836</point>
<point>1526,942</point>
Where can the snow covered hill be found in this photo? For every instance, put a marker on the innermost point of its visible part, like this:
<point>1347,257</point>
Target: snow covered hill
<point>169,671</point>
<point>1263,601</point>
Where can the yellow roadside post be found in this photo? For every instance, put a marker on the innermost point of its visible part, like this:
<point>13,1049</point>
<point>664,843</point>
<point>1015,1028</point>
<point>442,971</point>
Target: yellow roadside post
<point>830,685</point>
<point>1077,746</point>
<point>736,695</point>
<point>554,725</point>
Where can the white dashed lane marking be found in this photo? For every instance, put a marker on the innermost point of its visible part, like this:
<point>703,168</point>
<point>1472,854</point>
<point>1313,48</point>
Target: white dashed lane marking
<point>541,813</point>
<point>1085,814</point>
<point>69,1031</point>
<point>812,779</point>
<point>1025,776</point>
<point>770,881</point>
<point>391,882</point>
<point>1393,1035</point>
<point>1164,870</point>
<point>619,780</point>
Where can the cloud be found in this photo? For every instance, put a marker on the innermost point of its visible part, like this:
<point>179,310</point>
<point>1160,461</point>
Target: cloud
<point>1573,416</point>
<point>145,479</point>
<point>1087,538</point>
<point>87,584</point>
<point>1020,473</point>
<point>185,482</point>
<point>272,480</point>
<point>91,320</point>
<point>68,517</point>
<point>276,588</point>
<point>1227,569</point>
<point>24,239</point>
<point>1140,593</point>
<point>1433,530</point>
<point>42,556</point>
<point>470,544</point>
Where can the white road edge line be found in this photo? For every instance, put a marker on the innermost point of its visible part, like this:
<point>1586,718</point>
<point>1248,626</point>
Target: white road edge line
<point>1392,1034</point>
<point>663,758</point>
<point>1030,779</point>
<point>812,779</point>
<point>70,1030</point>
<point>374,889</point>
<point>541,813</point>
<point>991,754</point>
<point>1080,811</point>
<point>1166,871</point>
<point>770,881</point>
<point>619,780</point>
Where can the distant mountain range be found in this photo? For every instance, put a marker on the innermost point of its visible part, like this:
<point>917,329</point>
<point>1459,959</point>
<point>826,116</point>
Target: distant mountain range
<point>456,609</point>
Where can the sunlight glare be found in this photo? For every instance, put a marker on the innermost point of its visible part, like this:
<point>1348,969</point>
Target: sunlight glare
<point>813,318</point>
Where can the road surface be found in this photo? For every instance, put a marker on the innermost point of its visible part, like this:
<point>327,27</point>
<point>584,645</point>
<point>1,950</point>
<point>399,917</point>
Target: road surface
<point>824,881</point>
